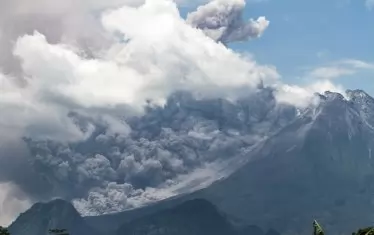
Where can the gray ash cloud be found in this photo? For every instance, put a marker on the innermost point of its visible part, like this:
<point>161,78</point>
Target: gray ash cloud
<point>111,171</point>
<point>222,20</point>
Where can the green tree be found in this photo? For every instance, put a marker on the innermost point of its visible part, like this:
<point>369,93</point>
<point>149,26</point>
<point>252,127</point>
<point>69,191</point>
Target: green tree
<point>317,229</point>
<point>365,231</point>
<point>4,231</point>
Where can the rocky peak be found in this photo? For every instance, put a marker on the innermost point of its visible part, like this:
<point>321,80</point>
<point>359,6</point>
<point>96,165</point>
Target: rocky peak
<point>358,95</point>
<point>361,99</point>
<point>334,96</point>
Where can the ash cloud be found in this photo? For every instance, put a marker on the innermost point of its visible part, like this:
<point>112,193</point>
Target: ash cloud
<point>222,20</point>
<point>186,141</point>
<point>76,119</point>
<point>12,201</point>
<point>113,114</point>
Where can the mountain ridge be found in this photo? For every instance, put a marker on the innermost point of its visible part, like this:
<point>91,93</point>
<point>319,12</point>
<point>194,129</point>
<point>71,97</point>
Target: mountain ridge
<point>56,214</point>
<point>193,217</point>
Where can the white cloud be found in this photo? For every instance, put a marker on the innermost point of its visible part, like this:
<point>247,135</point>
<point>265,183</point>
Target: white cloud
<point>22,7</point>
<point>330,72</point>
<point>302,96</point>
<point>357,64</point>
<point>340,68</point>
<point>69,21</point>
<point>26,115</point>
<point>118,78</point>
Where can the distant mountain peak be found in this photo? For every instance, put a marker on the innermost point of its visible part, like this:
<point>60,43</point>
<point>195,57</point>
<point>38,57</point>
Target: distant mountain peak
<point>58,202</point>
<point>56,214</point>
<point>333,95</point>
<point>54,206</point>
<point>361,98</point>
<point>357,94</point>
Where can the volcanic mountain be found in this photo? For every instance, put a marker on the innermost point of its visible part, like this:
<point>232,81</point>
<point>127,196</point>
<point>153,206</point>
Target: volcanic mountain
<point>319,166</point>
<point>314,163</point>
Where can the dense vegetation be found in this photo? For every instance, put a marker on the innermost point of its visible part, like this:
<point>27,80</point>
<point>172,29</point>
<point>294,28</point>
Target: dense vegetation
<point>317,230</point>
<point>4,231</point>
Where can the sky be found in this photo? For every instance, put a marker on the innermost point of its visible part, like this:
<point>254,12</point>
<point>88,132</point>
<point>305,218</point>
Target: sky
<point>306,35</point>
<point>72,69</point>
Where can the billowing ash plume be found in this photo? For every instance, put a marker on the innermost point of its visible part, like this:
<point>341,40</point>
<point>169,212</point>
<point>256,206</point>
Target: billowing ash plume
<point>90,111</point>
<point>113,171</point>
<point>69,92</point>
<point>222,20</point>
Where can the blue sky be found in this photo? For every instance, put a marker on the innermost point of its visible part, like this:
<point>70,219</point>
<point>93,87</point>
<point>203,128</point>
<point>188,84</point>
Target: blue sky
<point>306,35</point>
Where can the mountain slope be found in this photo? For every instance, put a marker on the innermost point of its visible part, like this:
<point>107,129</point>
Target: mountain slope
<point>320,166</point>
<point>57,214</point>
<point>317,165</point>
<point>190,218</point>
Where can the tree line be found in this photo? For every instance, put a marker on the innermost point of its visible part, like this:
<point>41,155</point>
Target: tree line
<point>317,230</point>
<point>5,231</point>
